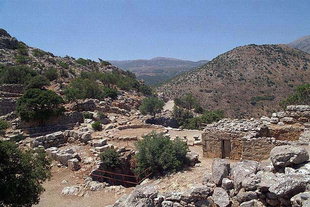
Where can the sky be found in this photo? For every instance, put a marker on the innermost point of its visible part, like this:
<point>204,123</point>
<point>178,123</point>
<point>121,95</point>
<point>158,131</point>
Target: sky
<point>143,29</point>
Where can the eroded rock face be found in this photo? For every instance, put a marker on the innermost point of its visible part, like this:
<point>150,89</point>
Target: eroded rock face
<point>301,199</point>
<point>6,41</point>
<point>287,155</point>
<point>220,170</point>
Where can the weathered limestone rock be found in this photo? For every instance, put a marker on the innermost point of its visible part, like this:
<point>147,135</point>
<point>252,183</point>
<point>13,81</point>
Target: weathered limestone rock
<point>141,196</point>
<point>220,170</point>
<point>250,182</point>
<point>227,184</point>
<point>73,164</point>
<point>192,158</point>
<point>241,170</point>
<point>287,155</point>
<point>99,142</point>
<point>71,190</point>
<point>252,203</point>
<point>244,196</point>
<point>301,199</point>
<point>220,197</point>
<point>200,192</point>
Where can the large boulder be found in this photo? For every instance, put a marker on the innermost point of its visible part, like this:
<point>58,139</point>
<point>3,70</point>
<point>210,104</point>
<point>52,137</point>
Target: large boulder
<point>288,155</point>
<point>220,170</point>
<point>241,170</point>
<point>220,197</point>
<point>142,196</point>
<point>252,203</point>
<point>199,192</point>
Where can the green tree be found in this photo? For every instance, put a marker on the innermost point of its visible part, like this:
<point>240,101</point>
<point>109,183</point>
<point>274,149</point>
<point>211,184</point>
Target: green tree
<point>187,101</point>
<point>300,96</point>
<point>16,74</point>
<point>38,81</point>
<point>110,159</point>
<point>83,88</point>
<point>3,126</point>
<point>51,74</point>
<point>39,105</point>
<point>181,115</point>
<point>21,175</point>
<point>151,105</point>
<point>160,154</point>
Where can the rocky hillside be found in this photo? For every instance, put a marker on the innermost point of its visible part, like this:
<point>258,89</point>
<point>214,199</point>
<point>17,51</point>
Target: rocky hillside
<point>14,52</point>
<point>159,69</point>
<point>246,81</point>
<point>301,44</point>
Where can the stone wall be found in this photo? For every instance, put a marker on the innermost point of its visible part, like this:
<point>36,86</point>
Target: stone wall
<point>7,105</point>
<point>63,122</point>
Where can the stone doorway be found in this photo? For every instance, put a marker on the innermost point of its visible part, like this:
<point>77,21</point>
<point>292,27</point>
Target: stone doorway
<point>226,148</point>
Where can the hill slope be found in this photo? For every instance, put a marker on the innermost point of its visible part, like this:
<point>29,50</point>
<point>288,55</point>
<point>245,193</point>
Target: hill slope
<point>301,44</point>
<point>246,81</point>
<point>159,69</point>
<point>14,52</point>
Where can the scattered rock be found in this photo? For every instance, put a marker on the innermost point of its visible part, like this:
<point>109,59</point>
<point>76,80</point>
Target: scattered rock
<point>220,170</point>
<point>220,197</point>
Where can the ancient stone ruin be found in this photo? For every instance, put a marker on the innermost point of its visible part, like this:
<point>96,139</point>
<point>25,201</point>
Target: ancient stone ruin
<point>253,139</point>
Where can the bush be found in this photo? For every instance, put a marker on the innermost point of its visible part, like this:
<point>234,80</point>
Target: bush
<point>38,53</point>
<point>51,74</point>
<point>300,96</point>
<point>39,105</point>
<point>83,61</point>
<point>82,89</point>
<point>145,90</point>
<point>187,101</point>
<point>63,65</point>
<point>256,99</point>
<point>22,49</point>
<point>110,159</point>
<point>3,125</point>
<point>97,126</point>
<point>21,175</point>
<point>110,92</point>
<point>38,81</point>
<point>182,116</point>
<point>151,105</point>
<point>16,74</point>
<point>88,115</point>
<point>21,59</point>
<point>160,154</point>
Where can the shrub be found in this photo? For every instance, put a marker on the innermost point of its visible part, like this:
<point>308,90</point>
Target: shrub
<point>88,115</point>
<point>21,175</point>
<point>39,105</point>
<point>145,90</point>
<point>97,126</point>
<point>17,138</point>
<point>300,96</point>
<point>256,99</point>
<point>38,53</point>
<point>110,92</point>
<point>21,59</point>
<point>22,49</point>
<point>187,101</point>
<point>83,61</point>
<point>181,115</point>
<point>51,74</point>
<point>38,81</point>
<point>16,74</point>
<point>160,154</point>
<point>83,88</point>
<point>151,105</point>
<point>63,65</point>
<point>3,125</point>
<point>110,159</point>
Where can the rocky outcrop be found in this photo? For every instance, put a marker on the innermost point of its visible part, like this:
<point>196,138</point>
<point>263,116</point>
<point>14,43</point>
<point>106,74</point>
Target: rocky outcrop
<point>6,41</point>
<point>220,170</point>
<point>287,155</point>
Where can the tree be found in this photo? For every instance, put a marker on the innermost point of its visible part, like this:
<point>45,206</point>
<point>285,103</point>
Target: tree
<point>3,126</point>
<point>301,96</point>
<point>16,74</point>
<point>187,101</point>
<point>21,175</point>
<point>51,74</point>
<point>151,105</point>
<point>110,159</point>
<point>181,115</point>
<point>39,105</point>
<point>160,154</point>
<point>38,81</point>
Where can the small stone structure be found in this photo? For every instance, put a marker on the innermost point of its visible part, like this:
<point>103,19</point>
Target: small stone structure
<point>253,139</point>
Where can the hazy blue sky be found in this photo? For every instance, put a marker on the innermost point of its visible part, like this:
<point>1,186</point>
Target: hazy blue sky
<point>125,29</point>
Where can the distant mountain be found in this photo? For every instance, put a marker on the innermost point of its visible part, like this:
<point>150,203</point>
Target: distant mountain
<point>248,81</point>
<point>301,44</point>
<point>159,69</point>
